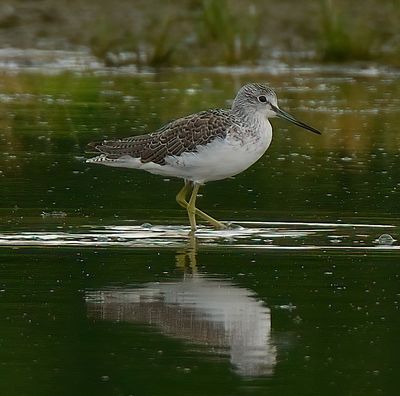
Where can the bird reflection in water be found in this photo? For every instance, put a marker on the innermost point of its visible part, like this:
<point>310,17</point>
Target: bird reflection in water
<point>202,310</point>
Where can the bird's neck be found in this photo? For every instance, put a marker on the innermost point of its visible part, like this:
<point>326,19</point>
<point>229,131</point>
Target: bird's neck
<point>255,119</point>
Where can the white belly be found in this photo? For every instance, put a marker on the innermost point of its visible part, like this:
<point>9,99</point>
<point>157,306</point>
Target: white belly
<point>217,160</point>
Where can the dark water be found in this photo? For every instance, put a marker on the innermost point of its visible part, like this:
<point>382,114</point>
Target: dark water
<point>103,292</point>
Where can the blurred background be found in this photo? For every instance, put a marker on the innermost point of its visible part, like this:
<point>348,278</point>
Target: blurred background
<point>206,32</point>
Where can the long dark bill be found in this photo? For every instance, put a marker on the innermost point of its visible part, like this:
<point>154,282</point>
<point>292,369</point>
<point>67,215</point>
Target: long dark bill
<point>286,116</point>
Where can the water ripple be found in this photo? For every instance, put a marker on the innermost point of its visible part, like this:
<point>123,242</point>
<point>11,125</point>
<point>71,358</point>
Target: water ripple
<point>259,235</point>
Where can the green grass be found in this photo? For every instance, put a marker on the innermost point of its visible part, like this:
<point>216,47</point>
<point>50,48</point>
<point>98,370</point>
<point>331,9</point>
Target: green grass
<point>236,38</point>
<point>343,37</point>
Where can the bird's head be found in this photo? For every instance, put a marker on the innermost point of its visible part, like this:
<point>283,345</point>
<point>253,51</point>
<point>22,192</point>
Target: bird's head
<point>259,99</point>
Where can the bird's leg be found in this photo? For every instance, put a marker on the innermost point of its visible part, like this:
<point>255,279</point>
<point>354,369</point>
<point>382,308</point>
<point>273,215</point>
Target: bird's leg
<point>181,199</point>
<point>191,208</point>
<point>217,224</point>
<point>214,222</point>
<point>181,196</point>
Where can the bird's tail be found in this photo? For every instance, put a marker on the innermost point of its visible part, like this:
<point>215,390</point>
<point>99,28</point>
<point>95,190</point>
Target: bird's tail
<point>92,147</point>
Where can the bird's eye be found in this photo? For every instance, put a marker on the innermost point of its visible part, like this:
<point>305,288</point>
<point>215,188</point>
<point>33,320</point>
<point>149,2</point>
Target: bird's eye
<point>262,99</point>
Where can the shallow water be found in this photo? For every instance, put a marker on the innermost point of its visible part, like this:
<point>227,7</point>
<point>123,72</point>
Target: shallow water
<point>102,291</point>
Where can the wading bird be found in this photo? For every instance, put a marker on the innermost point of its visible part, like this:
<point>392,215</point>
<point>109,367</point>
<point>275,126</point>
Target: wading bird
<point>206,146</point>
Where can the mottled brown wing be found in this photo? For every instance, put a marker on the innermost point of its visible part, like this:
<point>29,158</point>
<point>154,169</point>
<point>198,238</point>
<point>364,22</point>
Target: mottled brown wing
<point>175,138</point>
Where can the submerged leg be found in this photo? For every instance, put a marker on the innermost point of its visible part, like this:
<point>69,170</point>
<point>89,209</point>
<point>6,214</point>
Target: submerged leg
<point>181,199</point>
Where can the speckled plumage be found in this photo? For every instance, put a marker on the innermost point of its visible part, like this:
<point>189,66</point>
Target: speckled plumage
<point>173,139</point>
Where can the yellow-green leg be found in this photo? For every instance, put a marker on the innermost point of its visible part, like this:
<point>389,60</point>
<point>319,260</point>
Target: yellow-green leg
<point>191,208</point>
<point>181,199</point>
<point>181,196</point>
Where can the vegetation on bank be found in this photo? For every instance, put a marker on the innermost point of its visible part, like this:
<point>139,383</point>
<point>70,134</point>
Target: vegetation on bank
<point>207,32</point>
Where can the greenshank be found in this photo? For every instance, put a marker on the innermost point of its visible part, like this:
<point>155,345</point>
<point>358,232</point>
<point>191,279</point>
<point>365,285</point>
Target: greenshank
<point>206,146</point>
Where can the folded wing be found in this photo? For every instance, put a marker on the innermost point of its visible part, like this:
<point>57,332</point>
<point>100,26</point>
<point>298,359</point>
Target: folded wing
<point>173,139</point>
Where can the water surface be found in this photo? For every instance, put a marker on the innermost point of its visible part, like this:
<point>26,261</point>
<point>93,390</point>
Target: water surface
<point>103,292</point>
